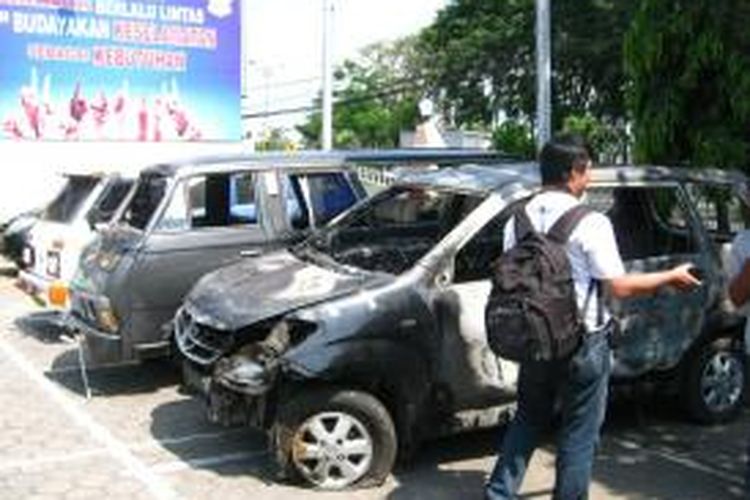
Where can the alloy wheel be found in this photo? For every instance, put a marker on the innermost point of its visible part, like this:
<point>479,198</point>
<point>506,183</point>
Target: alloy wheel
<point>332,450</point>
<point>722,381</point>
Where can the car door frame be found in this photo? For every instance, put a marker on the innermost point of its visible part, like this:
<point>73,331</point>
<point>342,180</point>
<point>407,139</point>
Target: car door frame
<point>143,313</point>
<point>645,318</point>
<point>444,295</point>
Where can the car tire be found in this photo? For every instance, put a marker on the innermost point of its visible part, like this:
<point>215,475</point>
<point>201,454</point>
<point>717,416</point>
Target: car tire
<point>715,385</point>
<point>335,439</point>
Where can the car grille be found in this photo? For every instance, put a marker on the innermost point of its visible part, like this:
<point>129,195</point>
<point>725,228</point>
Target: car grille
<point>200,343</point>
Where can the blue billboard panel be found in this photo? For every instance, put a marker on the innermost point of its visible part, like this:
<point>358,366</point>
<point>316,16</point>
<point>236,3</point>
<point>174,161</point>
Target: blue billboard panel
<point>151,70</point>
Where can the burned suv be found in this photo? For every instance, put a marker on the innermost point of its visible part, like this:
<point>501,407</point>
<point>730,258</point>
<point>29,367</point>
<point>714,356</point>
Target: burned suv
<point>187,218</point>
<point>369,337</point>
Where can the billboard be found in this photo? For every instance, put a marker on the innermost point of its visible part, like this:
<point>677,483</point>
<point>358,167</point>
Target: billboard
<point>150,70</point>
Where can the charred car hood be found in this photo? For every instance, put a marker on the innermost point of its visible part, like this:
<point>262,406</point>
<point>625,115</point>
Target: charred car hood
<point>257,289</point>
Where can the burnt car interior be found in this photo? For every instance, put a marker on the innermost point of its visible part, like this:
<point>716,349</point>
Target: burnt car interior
<point>721,209</point>
<point>648,221</point>
<point>222,200</point>
<point>397,229</point>
<point>228,199</point>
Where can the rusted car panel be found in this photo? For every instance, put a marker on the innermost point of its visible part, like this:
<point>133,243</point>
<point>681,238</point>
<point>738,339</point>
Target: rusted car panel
<point>389,300</point>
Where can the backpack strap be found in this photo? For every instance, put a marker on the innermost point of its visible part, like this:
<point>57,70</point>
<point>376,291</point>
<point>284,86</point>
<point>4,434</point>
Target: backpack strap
<point>595,285</point>
<point>564,226</point>
<point>521,222</point>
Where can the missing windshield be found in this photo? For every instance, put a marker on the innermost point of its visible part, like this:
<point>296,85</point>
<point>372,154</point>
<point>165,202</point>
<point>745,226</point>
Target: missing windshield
<point>395,229</point>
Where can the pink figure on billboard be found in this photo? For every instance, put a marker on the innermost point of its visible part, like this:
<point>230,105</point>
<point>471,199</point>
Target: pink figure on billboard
<point>183,125</point>
<point>25,122</point>
<point>103,117</point>
<point>12,128</point>
<point>78,104</point>
<point>99,108</point>
<point>30,105</point>
<point>143,121</point>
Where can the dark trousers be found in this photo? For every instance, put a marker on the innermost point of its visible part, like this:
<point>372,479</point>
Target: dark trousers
<point>580,384</point>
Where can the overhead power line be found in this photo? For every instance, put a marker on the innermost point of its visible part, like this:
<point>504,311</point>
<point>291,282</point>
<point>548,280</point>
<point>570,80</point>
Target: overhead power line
<point>259,84</point>
<point>386,92</point>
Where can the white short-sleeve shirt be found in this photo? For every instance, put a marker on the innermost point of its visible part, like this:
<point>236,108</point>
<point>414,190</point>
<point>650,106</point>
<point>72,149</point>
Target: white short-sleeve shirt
<point>737,255</point>
<point>592,247</point>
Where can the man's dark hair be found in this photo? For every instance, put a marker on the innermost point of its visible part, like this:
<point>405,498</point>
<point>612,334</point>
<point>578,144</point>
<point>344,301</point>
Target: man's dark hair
<point>561,155</point>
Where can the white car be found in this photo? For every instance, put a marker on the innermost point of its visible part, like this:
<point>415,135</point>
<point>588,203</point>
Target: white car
<point>50,257</point>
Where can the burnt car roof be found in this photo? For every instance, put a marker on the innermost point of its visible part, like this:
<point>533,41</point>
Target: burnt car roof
<point>323,160</point>
<point>483,178</point>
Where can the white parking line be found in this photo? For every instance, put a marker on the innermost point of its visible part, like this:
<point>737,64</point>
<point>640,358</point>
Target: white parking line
<point>52,459</point>
<point>95,452</point>
<point>197,463</point>
<point>684,461</point>
<point>155,484</point>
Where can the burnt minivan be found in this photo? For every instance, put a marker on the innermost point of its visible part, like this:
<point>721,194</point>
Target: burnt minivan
<point>187,218</point>
<point>369,337</point>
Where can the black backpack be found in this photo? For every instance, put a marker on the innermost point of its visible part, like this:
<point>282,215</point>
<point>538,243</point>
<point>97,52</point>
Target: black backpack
<point>532,314</point>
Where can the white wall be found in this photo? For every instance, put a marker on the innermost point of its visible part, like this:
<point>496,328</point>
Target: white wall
<point>29,171</point>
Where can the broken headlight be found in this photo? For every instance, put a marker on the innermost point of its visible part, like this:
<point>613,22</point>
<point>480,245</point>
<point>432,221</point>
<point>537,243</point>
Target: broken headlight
<point>244,374</point>
<point>252,369</point>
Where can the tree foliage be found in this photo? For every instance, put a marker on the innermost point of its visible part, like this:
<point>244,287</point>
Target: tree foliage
<point>515,138</point>
<point>482,58</point>
<point>608,141</point>
<point>689,63</point>
<point>378,97</point>
<point>275,139</point>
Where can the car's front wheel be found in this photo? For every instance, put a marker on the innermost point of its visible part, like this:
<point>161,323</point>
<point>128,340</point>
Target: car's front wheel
<point>335,439</point>
<point>715,385</point>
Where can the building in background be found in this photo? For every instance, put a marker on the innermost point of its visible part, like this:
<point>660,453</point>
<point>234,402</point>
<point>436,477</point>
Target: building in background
<point>431,133</point>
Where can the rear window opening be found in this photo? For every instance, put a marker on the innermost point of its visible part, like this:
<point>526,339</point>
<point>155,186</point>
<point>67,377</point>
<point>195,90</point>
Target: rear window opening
<point>71,199</point>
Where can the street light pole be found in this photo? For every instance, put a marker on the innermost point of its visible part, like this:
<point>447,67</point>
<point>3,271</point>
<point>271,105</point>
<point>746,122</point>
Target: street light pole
<point>543,72</point>
<point>327,131</point>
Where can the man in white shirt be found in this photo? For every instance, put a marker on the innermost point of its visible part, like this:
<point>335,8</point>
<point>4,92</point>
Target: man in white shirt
<point>738,269</point>
<point>580,382</point>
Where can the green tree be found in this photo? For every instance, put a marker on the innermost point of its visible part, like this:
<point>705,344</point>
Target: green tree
<point>378,98</point>
<point>480,57</point>
<point>689,64</point>
<point>609,141</point>
<point>514,137</point>
<point>274,140</point>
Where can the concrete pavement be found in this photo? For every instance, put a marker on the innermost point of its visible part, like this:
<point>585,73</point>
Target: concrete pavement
<point>140,437</point>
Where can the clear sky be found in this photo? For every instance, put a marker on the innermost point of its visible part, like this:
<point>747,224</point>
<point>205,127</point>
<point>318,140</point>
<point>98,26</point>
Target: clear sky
<point>284,39</point>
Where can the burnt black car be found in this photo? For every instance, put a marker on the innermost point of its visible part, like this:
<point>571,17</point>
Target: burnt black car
<point>187,218</point>
<point>369,337</point>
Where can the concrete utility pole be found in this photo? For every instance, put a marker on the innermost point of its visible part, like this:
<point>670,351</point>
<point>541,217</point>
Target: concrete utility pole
<point>544,74</point>
<point>326,138</point>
